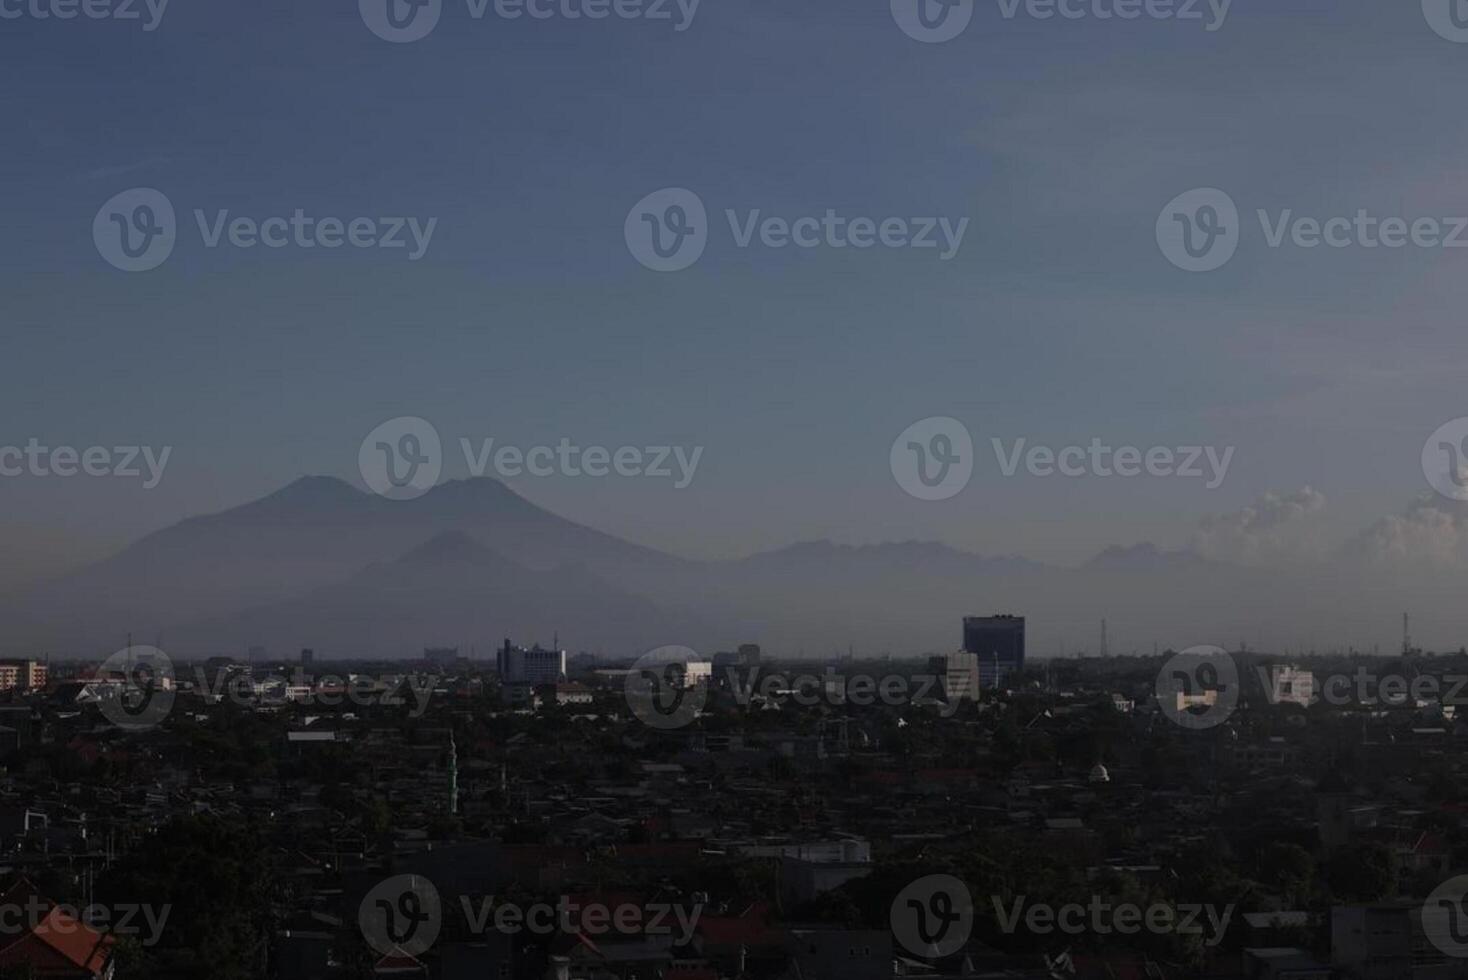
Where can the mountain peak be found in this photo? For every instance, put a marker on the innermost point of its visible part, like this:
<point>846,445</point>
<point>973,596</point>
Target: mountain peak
<point>314,489</point>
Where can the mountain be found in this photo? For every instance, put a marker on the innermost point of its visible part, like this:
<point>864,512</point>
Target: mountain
<point>451,590</point>
<point>322,564</point>
<point>1147,557</point>
<point>316,532</point>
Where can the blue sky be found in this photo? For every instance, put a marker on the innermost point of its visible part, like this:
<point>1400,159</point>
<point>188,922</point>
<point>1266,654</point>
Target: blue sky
<point>528,320</point>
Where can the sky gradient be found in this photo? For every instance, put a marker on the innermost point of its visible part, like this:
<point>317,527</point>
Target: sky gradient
<point>529,321</point>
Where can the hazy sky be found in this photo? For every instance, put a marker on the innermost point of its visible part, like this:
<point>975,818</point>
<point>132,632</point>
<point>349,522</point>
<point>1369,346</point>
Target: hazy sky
<point>528,320</point>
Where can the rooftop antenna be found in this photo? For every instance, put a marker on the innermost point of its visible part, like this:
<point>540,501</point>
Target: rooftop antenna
<point>1406,634</point>
<point>1105,652</point>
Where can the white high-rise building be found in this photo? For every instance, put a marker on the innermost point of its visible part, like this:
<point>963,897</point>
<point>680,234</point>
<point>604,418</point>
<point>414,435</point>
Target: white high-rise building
<point>961,678</point>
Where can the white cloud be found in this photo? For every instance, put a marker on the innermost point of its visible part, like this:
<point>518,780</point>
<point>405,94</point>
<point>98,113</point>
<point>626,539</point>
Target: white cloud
<point>1430,531</point>
<point>1274,527</point>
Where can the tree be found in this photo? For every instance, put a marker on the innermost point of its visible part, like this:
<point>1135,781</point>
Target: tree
<point>1360,874</point>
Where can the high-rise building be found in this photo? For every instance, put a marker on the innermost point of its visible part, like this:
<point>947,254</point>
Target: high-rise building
<point>518,665</point>
<point>999,642</point>
<point>961,678</point>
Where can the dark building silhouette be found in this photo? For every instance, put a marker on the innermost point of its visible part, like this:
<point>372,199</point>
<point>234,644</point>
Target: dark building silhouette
<point>999,642</point>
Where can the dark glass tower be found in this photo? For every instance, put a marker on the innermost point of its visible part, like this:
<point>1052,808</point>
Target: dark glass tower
<point>1000,643</point>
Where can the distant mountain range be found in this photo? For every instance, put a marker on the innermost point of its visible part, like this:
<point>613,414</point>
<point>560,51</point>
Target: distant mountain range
<point>322,564</point>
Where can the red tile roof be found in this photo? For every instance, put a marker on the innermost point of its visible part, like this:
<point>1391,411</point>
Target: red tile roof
<point>73,940</point>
